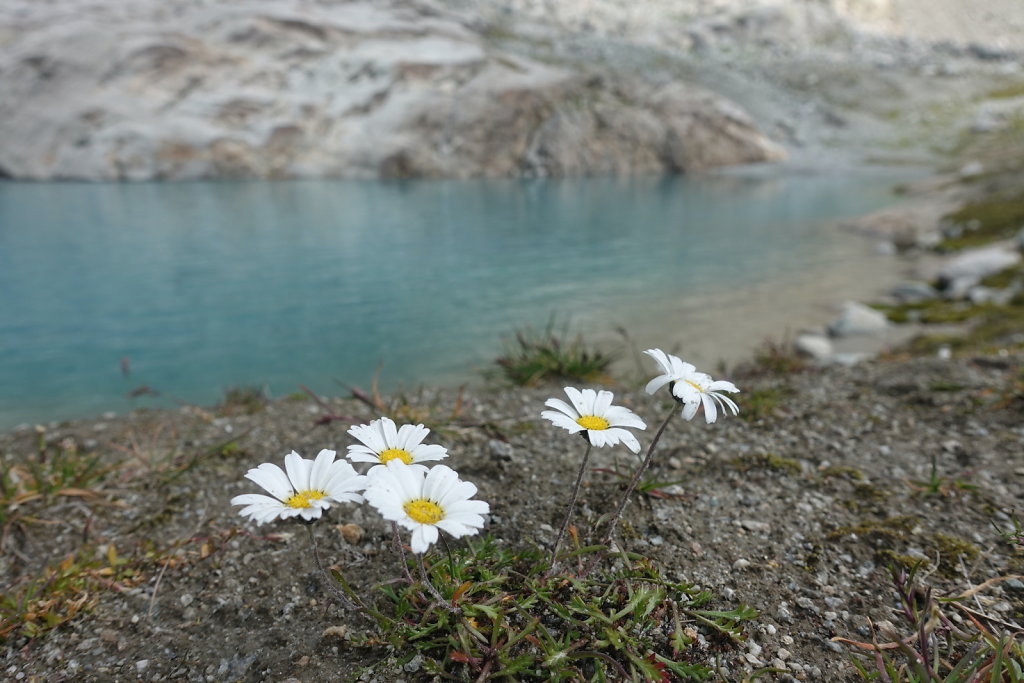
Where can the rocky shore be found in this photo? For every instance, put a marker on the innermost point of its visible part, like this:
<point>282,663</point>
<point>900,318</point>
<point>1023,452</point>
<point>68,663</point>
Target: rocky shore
<point>796,508</point>
<point>122,558</point>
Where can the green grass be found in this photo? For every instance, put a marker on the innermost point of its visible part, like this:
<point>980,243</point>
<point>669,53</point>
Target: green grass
<point>62,591</point>
<point>534,358</point>
<point>54,471</point>
<point>506,617</point>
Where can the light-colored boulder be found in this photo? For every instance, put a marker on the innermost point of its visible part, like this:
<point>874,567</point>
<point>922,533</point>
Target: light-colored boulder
<point>817,346</point>
<point>297,88</point>
<point>858,319</point>
<point>969,267</point>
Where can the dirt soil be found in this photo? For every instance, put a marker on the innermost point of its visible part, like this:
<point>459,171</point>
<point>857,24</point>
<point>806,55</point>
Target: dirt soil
<point>796,510</point>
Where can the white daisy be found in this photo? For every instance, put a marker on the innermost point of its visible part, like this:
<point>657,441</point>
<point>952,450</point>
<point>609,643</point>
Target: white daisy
<point>693,389</point>
<point>592,412</point>
<point>424,501</point>
<point>308,488</point>
<point>383,442</point>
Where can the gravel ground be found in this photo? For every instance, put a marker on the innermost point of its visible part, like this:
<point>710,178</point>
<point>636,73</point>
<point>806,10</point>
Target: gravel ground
<point>794,508</point>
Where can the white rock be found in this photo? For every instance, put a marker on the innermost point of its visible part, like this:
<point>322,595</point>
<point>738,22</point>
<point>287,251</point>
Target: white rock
<point>816,346</point>
<point>971,168</point>
<point>858,319</point>
<point>972,265</point>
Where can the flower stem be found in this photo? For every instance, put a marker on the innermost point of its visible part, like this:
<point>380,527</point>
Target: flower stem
<point>572,504</point>
<point>636,479</point>
<point>438,598</point>
<point>346,593</point>
<point>401,552</point>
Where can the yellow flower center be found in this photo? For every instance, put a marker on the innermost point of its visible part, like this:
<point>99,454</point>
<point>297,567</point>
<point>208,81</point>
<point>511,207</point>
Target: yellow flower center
<point>395,453</point>
<point>695,386</point>
<point>592,422</point>
<point>302,498</point>
<point>424,511</point>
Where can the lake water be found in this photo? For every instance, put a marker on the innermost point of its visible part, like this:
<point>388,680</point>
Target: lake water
<point>203,286</point>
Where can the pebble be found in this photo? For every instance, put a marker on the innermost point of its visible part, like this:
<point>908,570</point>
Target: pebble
<point>502,450</point>
<point>352,533</point>
<point>186,600</point>
<point>787,640</point>
<point>741,564</point>
<point>141,665</point>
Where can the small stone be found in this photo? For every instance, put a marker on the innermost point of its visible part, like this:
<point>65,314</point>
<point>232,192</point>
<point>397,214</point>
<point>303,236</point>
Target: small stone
<point>141,665</point>
<point>352,533</point>
<point>783,653</point>
<point>108,635</point>
<point>752,659</point>
<point>779,664</point>
<point>336,631</point>
<point>303,660</point>
<point>186,600</point>
<point>755,525</point>
<point>502,450</point>
<point>787,640</point>
<point>414,664</point>
<point>741,564</point>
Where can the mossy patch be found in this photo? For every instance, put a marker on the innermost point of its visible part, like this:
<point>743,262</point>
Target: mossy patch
<point>763,402</point>
<point>891,527</point>
<point>934,312</point>
<point>766,461</point>
<point>845,472</point>
<point>1007,92</point>
<point>891,535</point>
<point>985,221</point>
<point>951,549</point>
<point>990,328</point>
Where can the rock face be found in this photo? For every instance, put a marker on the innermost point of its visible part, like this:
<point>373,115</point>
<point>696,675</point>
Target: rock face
<point>277,89</point>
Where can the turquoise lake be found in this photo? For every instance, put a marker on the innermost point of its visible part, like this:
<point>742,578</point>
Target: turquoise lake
<point>203,286</point>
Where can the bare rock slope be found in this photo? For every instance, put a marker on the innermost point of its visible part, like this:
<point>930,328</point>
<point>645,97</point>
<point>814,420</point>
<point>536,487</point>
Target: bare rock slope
<point>274,89</point>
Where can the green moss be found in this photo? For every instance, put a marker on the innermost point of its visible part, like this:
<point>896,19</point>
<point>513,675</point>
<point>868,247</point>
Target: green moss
<point>813,558</point>
<point>851,473</point>
<point>908,562</point>
<point>762,403</point>
<point>767,461</point>
<point>1007,92</point>
<point>1005,278</point>
<point>934,312</point>
<point>990,328</point>
<point>891,527</point>
<point>944,386</point>
<point>950,550</point>
<point>986,221</point>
